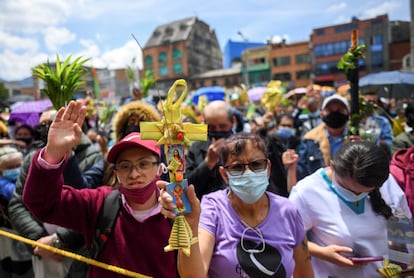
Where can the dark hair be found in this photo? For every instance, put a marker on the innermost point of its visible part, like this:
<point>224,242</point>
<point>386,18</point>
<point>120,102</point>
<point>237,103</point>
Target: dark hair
<point>25,126</point>
<point>409,110</point>
<point>285,115</point>
<point>236,144</point>
<point>368,165</point>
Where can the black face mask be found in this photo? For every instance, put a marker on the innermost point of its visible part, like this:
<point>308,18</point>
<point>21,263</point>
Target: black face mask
<point>409,120</point>
<point>335,119</point>
<point>219,134</point>
<point>28,140</point>
<point>42,131</point>
<point>131,128</point>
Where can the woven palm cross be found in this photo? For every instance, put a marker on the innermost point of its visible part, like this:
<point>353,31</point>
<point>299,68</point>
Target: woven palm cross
<point>174,135</point>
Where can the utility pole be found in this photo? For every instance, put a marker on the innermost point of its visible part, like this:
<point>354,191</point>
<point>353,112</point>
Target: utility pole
<point>245,73</point>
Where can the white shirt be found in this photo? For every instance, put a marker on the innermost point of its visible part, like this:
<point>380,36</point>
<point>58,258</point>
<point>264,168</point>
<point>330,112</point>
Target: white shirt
<point>330,221</point>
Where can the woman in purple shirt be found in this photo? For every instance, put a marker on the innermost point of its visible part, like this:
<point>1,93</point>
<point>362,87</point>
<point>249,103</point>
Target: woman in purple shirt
<point>243,231</point>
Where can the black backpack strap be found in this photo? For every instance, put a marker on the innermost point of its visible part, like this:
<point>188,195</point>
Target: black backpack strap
<point>106,220</point>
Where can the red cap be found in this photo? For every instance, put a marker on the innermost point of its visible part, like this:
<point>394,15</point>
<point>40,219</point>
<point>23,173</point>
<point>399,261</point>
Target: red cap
<point>132,140</point>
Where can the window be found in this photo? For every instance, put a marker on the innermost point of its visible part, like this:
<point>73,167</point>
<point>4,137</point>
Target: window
<point>377,60</point>
<point>148,60</point>
<point>377,39</point>
<point>285,76</point>
<point>162,57</point>
<point>177,54</point>
<point>303,74</point>
<point>327,68</point>
<point>334,48</point>
<point>177,68</point>
<point>302,59</point>
<point>320,32</point>
<point>281,61</point>
<point>163,70</point>
<point>169,31</point>
<point>345,28</point>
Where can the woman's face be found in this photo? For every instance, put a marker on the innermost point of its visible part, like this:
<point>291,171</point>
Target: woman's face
<point>351,185</point>
<point>249,154</point>
<point>144,170</point>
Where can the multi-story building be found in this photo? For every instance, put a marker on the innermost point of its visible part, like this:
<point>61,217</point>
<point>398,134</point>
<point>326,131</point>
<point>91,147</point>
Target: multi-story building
<point>233,52</point>
<point>400,45</point>
<point>328,44</point>
<point>181,49</point>
<point>222,77</point>
<point>291,63</point>
<point>256,66</point>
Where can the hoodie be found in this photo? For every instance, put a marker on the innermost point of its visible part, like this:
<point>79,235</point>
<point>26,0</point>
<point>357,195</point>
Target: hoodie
<point>402,169</point>
<point>146,113</point>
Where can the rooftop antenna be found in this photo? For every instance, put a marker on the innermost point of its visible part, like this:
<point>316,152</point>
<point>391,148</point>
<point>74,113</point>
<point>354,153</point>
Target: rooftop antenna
<point>142,51</point>
<point>136,41</point>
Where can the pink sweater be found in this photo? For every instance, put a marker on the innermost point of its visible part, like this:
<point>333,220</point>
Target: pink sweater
<point>132,245</point>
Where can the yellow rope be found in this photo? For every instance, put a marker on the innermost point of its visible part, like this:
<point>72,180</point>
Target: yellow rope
<point>74,256</point>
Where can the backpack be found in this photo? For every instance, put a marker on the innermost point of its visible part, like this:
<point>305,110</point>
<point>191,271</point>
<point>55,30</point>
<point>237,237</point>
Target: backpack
<point>106,220</point>
<point>310,158</point>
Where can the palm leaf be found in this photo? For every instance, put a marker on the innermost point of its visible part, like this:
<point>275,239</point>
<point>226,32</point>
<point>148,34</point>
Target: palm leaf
<point>63,81</point>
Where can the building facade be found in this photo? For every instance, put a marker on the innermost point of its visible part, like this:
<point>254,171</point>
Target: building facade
<point>181,49</point>
<point>291,63</point>
<point>328,44</point>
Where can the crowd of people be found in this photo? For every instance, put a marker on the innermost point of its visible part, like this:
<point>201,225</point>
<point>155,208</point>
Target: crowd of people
<point>283,193</point>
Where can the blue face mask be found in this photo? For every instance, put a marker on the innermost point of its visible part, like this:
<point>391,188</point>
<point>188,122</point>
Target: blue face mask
<point>11,174</point>
<point>347,194</point>
<point>285,132</point>
<point>249,186</point>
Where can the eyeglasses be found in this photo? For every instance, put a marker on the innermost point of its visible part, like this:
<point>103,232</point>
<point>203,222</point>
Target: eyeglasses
<point>125,167</point>
<point>239,168</point>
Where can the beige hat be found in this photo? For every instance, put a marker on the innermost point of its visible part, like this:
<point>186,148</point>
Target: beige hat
<point>7,153</point>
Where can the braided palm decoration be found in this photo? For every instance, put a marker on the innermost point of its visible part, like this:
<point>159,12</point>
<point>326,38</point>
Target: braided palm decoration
<point>175,135</point>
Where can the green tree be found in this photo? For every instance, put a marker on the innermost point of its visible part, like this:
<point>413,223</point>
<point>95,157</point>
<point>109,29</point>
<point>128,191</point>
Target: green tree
<point>4,93</point>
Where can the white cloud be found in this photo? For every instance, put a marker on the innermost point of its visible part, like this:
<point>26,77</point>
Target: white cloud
<point>382,8</point>
<point>16,67</point>
<point>17,43</point>
<point>279,39</point>
<point>337,7</point>
<point>32,16</point>
<point>123,56</point>
<point>57,37</point>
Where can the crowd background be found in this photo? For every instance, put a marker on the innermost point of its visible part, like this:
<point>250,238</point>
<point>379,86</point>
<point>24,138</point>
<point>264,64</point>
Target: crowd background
<point>302,131</point>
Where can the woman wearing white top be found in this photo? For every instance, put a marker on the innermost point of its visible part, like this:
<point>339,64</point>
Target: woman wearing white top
<point>345,208</point>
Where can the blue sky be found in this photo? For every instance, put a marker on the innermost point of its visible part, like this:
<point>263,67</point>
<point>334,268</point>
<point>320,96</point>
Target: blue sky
<point>32,31</point>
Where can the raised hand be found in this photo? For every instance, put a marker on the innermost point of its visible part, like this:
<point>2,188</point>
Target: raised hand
<point>65,132</point>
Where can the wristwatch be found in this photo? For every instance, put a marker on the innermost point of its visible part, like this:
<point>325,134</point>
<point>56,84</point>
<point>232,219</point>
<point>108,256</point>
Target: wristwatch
<point>56,242</point>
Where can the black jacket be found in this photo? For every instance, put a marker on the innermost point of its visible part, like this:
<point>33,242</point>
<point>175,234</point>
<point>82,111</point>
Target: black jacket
<point>84,169</point>
<point>198,173</point>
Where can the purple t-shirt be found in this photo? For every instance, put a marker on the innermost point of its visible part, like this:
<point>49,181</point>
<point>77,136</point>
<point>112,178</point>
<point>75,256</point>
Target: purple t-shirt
<point>266,251</point>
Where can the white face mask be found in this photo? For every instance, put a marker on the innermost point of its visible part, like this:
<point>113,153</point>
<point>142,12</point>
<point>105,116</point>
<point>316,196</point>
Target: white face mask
<point>249,186</point>
<point>347,194</point>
